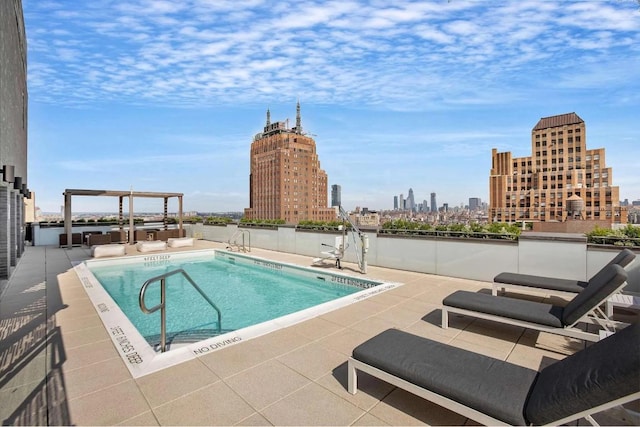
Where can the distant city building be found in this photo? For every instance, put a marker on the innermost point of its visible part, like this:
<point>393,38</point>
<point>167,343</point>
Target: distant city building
<point>445,207</point>
<point>336,197</point>
<point>286,181</point>
<point>474,203</point>
<point>411,203</point>
<point>539,187</point>
<point>402,202</point>
<point>395,203</point>
<point>365,218</point>
<point>434,205</point>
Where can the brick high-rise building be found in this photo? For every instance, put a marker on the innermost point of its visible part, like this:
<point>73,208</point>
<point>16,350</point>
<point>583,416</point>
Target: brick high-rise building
<point>561,180</point>
<point>286,181</point>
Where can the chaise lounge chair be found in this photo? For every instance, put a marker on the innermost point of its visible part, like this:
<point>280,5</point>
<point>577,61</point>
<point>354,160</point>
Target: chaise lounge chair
<point>551,285</point>
<point>584,307</point>
<point>494,392</point>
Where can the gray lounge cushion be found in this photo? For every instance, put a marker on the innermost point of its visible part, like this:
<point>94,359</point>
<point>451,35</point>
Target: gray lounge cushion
<point>528,311</point>
<point>541,282</point>
<point>622,258</point>
<point>491,386</point>
<point>603,372</point>
<point>601,286</point>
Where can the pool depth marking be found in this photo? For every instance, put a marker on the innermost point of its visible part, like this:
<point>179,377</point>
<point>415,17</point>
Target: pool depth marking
<point>142,359</point>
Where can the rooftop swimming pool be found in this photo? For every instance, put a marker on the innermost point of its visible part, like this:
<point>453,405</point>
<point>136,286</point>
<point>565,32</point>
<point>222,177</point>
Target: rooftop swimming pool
<point>254,295</point>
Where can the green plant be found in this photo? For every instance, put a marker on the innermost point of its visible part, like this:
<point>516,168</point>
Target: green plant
<point>262,221</point>
<point>632,231</point>
<point>627,236</point>
<point>473,230</point>
<point>218,220</point>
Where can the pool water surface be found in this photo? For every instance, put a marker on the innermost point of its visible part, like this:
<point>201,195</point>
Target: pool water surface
<point>256,296</point>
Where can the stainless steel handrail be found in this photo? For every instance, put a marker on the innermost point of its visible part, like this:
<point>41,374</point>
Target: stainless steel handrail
<point>162,306</point>
<point>243,247</point>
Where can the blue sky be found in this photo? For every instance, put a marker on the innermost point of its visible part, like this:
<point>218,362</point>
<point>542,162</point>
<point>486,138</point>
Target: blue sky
<point>161,95</point>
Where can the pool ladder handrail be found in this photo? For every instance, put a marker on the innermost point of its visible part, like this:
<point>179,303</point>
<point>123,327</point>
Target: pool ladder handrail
<point>162,306</point>
<point>233,241</point>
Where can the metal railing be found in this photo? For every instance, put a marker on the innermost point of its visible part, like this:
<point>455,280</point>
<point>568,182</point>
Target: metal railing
<point>162,306</point>
<point>244,244</point>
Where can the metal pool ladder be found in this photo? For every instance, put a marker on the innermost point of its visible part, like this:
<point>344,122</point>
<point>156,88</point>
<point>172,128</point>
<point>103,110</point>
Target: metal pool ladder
<point>162,306</point>
<point>239,241</point>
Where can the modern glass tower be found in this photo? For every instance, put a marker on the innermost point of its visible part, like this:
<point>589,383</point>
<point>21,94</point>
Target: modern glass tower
<point>336,195</point>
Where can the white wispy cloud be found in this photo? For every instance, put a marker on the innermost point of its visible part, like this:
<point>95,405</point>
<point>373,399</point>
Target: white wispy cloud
<point>194,51</point>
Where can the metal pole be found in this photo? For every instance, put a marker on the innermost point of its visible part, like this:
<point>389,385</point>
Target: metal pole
<point>67,219</point>
<point>132,233</point>
<point>163,317</point>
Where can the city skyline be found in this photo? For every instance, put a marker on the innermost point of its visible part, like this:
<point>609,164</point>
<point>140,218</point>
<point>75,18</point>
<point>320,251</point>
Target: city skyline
<point>164,96</point>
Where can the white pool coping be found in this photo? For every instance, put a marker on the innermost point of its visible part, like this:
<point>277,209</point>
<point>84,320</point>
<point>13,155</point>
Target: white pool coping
<point>141,359</point>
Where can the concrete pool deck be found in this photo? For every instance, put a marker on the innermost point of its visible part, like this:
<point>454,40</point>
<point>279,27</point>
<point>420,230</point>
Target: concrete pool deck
<point>58,365</point>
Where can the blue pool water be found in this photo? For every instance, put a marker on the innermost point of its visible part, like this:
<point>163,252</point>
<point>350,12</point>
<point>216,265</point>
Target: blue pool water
<point>245,294</point>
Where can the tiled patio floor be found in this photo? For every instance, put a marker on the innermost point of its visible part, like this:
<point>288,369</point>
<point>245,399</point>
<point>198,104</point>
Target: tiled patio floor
<point>59,366</point>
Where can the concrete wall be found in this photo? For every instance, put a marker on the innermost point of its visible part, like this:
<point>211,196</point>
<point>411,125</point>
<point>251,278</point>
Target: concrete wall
<point>13,131</point>
<point>566,256</point>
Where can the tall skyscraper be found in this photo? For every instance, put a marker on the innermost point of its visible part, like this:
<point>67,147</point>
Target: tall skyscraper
<point>395,203</point>
<point>336,195</point>
<point>474,203</point>
<point>411,203</point>
<point>402,203</point>
<point>561,179</point>
<point>285,180</point>
<point>434,205</point>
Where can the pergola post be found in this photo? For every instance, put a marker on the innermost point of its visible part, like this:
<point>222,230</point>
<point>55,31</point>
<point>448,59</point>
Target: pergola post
<point>120,214</point>
<point>164,218</point>
<point>132,233</point>
<point>67,219</point>
<point>180,214</point>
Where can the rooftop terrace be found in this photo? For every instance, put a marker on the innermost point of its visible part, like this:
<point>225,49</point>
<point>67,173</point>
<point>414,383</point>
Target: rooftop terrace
<point>58,364</point>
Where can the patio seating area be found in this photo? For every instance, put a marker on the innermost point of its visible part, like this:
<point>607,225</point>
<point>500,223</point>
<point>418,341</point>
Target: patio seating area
<point>60,365</point>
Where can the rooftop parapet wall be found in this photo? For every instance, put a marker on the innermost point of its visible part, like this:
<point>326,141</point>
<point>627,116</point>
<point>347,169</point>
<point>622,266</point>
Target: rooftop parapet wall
<point>549,254</point>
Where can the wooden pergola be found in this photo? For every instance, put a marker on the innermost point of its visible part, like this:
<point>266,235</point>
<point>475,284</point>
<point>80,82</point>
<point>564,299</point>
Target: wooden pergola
<point>68,193</point>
